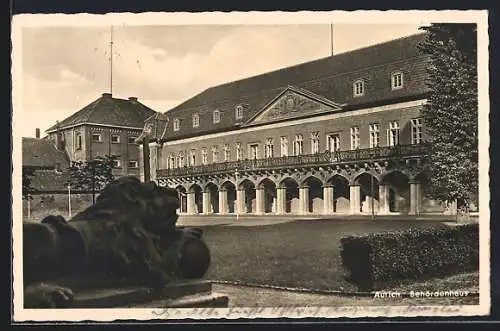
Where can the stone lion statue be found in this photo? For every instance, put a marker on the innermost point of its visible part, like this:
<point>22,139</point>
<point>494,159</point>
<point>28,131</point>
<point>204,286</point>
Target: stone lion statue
<point>128,237</point>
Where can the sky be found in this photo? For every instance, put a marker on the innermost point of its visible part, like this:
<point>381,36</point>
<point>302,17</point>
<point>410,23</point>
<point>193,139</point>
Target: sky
<point>64,68</point>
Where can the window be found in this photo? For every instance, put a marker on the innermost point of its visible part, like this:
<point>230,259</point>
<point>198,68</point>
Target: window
<point>96,137</point>
<point>192,158</point>
<point>374,135</point>
<point>284,146</point>
<point>204,156</point>
<point>254,151</point>
<point>354,137</point>
<point>333,141</point>
<point>215,154</point>
<point>117,164</point>
<point>180,160</point>
<point>298,145</point>
<point>196,120</point>
<point>238,151</point>
<point>358,88</point>
<point>115,138</point>
<point>239,112</point>
<point>132,164</point>
<point>269,149</point>
<point>393,134</point>
<point>216,116</point>
<point>226,153</point>
<point>171,161</point>
<point>131,140</point>
<point>314,142</point>
<point>78,145</point>
<point>177,124</point>
<point>397,80</point>
<point>416,131</point>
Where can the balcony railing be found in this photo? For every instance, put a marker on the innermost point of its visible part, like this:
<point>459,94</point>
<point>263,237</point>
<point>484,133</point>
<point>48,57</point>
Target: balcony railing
<point>319,159</point>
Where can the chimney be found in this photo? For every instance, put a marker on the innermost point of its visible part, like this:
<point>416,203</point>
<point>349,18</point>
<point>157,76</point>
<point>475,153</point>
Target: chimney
<point>37,133</point>
<point>107,95</point>
<point>132,99</point>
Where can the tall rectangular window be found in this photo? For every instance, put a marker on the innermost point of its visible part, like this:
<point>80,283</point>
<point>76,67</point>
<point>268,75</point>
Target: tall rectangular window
<point>216,116</point>
<point>355,137</point>
<point>196,120</point>
<point>181,160</point>
<point>358,88</point>
<point>269,147</point>
<point>298,145</point>
<point>192,158</point>
<point>374,135</point>
<point>204,156</point>
<point>215,154</point>
<point>177,124</point>
<point>416,131</point>
<point>333,141</point>
<point>393,134</point>
<point>78,142</point>
<point>171,161</point>
<point>283,146</point>
<point>239,112</point>
<point>314,142</point>
<point>238,151</point>
<point>397,80</point>
<point>226,153</point>
<point>254,151</point>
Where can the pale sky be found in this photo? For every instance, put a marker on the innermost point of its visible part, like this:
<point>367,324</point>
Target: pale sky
<point>66,68</point>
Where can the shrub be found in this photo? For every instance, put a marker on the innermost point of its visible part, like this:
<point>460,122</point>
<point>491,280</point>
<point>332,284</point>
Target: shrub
<point>377,259</point>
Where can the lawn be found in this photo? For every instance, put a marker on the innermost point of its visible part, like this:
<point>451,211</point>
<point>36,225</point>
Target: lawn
<point>297,254</point>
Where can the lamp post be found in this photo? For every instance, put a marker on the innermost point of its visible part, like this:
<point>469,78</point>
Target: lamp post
<point>69,200</point>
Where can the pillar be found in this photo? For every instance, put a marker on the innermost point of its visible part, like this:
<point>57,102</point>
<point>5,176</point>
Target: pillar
<point>223,206</point>
<point>207,200</point>
<point>415,197</point>
<point>191,204</point>
<point>259,200</point>
<point>304,199</point>
<point>240,201</point>
<point>153,160</point>
<point>280,200</point>
<point>354,199</point>
<point>328,195</point>
<point>383,193</point>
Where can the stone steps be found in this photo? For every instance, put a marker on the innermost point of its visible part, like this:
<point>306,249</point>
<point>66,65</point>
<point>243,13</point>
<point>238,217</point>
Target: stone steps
<point>197,293</point>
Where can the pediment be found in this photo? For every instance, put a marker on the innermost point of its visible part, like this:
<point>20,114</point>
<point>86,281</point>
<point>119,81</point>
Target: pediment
<point>294,103</point>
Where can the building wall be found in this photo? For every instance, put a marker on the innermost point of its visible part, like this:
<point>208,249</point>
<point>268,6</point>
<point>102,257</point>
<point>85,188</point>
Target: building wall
<point>341,126</point>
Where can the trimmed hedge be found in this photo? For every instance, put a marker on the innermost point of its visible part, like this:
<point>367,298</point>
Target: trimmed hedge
<point>377,259</point>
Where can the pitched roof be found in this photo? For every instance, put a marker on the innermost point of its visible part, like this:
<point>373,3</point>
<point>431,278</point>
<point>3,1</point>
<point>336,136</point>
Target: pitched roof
<point>42,153</point>
<point>49,181</point>
<point>109,111</point>
<point>331,78</point>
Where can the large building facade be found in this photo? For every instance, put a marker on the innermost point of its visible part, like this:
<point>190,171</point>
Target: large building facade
<point>339,135</point>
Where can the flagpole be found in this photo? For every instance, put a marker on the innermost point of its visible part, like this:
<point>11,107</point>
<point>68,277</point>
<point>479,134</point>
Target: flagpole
<point>111,63</point>
<point>69,201</point>
<point>331,38</point>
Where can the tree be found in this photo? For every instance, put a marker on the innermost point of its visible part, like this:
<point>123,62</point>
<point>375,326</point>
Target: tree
<point>92,175</point>
<point>28,189</point>
<point>450,116</point>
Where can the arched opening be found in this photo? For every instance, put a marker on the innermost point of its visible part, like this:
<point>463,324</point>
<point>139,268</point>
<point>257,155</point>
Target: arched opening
<point>212,199</point>
<point>197,201</point>
<point>182,194</point>
<point>397,192</point>
<point>340,196</point>
<point>369,193</point>
<point>231,196</point>
<point>247,189</point>
<point>292,203</point>
<point>315,198</point>
<point>269,188</point>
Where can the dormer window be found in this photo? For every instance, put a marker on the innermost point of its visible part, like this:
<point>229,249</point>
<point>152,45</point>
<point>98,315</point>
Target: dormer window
<point>358,88</point>
<point>177,124</point>
<point>239,112</point>
<point>397,80</point>
<point>196,120</point>
<point>216,116</point>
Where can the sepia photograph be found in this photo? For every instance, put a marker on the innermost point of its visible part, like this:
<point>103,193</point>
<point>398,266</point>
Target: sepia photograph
<point>250,165</point>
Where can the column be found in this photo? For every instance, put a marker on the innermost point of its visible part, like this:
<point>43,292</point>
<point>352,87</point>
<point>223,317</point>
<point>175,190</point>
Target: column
<point>223,201</point>
<point>141,163</point>
<point>280,200</point>
<point>383,193</point>
<point>153,160</point>
<point>304,199</point>
<point>414,198</point>
<point>328,195</point>
<point>240,201</point>
<point>259,200</point>
<point>191,207</point>
<point>354,199</point>
<point>207,202</point>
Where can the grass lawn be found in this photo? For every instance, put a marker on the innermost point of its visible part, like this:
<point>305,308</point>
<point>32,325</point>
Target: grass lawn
<point>297,254</point>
